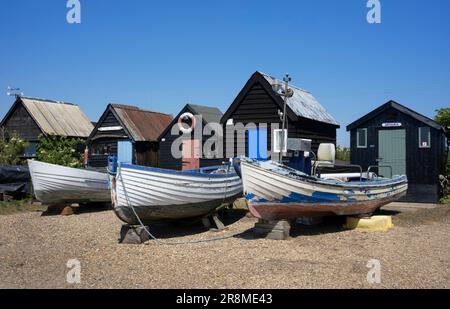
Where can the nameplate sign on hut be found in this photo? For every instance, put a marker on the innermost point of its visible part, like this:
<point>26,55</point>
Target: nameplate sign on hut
<point>392,125</point>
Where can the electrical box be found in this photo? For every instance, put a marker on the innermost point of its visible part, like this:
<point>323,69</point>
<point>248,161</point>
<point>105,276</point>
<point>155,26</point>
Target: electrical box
<point>298,150</point>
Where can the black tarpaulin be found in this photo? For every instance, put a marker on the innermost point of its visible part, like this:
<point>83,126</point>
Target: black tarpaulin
<point>15,180</point>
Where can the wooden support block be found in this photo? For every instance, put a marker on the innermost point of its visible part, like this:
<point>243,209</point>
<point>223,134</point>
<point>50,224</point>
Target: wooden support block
<point>220,226</point>
<point>67,211</point>
<point>133,235</point>
<point>206,222</point>
<point>5,197</point>
<point>276,230</point>
<point>213,220</point>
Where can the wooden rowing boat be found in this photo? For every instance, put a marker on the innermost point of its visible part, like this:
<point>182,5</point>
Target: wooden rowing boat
<point>55,184</point>
<point>155,194</point>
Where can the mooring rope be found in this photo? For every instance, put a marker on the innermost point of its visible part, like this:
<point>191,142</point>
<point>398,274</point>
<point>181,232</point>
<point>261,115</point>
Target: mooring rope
<point>166,242</point>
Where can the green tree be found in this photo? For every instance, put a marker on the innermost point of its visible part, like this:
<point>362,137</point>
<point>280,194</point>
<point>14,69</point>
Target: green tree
<point>60,150</point>
<point>12,149</point>
<point>443,117</point>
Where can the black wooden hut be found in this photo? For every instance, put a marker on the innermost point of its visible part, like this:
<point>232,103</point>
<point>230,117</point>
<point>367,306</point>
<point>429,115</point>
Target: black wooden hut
<point>209,115</point>
<point>32,117</point>
<point>412,144</point>
<point>258,103</point>
<point>128,132</point>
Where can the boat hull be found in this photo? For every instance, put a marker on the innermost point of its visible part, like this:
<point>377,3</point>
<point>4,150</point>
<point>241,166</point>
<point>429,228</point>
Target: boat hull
<point>165,195</point>
<point>55,184</point>
<point>282,194</point>
<point>292,211</point>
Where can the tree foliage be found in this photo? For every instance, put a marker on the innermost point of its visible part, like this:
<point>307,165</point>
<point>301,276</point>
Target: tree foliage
<point>60,150</point>
<point>343,153</point>
<point>443,117</point>
<point>12,149</point>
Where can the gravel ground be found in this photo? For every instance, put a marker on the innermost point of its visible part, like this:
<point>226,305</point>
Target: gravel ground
<point>34,250</point>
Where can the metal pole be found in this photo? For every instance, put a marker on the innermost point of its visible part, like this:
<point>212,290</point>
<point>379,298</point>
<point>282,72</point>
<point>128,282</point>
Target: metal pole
<point>286,89</point>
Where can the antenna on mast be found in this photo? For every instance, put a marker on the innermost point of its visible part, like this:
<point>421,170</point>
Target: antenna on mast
<point>14,91</point>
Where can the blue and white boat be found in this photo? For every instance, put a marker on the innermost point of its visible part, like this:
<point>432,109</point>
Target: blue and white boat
<point>155,194</point>
<point>276,192</point>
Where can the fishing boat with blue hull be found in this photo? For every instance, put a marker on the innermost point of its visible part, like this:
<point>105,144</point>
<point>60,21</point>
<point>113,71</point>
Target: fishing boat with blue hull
<point>154,194</point>
<point>276,192</point>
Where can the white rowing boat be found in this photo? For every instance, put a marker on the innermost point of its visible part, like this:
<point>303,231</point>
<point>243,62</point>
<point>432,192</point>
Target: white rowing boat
<point>55,184</point>
<point>155,194</point>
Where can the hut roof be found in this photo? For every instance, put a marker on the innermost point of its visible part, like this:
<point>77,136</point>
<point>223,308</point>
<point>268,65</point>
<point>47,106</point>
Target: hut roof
<point>142,125</point>
<point>55,117</point>
<point>301,105</point>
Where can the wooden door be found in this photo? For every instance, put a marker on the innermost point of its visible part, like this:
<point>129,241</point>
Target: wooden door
<point>190,154</point>
<point>257,143</point>
<point>392,152</point>
<point>125,152</point>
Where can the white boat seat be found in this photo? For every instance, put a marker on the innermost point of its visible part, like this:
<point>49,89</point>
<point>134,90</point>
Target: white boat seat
<point>326,156</point>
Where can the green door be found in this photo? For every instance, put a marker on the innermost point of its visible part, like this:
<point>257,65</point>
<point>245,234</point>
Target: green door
<point>392,152</point>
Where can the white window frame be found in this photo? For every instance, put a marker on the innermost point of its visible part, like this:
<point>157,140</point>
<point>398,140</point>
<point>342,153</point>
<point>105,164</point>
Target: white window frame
<point>420,137</point>
<point>276,142</point>
<point>357,138</point>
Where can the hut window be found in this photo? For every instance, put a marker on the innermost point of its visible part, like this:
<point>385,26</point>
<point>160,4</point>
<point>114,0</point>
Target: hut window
<point>424,137</point>
<point>361,138</point>
<point>101,149</point>
<point>277,138</point>
<point>31,150</point>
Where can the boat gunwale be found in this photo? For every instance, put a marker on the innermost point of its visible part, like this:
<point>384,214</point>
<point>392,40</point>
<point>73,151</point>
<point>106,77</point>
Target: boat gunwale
<point>36,162</point>
<point>188,173</point>
<point>386,182</point>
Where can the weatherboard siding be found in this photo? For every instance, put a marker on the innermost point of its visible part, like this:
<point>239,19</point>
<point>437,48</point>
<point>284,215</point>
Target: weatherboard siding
<point>259,107</point>
<point>110,121</point>
<point>167,161</point>
<point>423,165</point>
<point>143,153</point>
<point>23,124</point>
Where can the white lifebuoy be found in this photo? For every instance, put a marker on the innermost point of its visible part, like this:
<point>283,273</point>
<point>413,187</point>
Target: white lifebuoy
<point>180,123</point>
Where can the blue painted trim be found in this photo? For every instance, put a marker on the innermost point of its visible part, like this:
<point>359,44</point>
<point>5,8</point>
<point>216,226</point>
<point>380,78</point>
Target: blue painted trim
<point>316,198</point>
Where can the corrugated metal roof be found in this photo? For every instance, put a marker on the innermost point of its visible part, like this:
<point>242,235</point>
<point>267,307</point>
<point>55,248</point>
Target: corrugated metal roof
<point>143,125</point>
<point>303,103</point>
<point>59,118</point>
<point>209,114</point>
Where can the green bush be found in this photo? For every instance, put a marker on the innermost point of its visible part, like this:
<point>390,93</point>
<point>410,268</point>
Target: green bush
<point>12,149</point>
<point>60,150</point>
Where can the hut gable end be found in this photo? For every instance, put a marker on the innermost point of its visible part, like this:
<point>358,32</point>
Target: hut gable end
<point>18,120</point>
<point>50,117</point>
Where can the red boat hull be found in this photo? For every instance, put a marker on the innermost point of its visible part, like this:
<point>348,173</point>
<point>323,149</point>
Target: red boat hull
<point>291,211</point>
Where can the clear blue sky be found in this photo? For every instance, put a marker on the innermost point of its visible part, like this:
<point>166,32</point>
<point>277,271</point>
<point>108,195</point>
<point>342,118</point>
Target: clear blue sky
<point>162,54</point>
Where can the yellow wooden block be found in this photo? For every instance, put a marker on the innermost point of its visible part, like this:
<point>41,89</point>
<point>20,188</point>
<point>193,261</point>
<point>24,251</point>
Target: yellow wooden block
<point>372,224</point>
